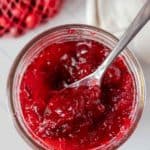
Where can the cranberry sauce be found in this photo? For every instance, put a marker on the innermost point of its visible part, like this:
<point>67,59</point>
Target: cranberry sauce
<point>77,118</point>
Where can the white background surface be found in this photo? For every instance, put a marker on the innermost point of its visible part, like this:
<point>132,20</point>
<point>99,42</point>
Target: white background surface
<point>73,12</point>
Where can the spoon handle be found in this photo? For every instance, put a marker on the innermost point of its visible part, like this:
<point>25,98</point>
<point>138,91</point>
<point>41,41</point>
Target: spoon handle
<point>140,20</point>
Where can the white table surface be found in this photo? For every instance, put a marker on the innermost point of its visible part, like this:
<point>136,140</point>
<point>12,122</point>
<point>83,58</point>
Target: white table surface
<point>73,12</point>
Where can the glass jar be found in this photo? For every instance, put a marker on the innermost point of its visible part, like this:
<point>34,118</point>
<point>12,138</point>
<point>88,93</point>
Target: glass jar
<point>61,34</point>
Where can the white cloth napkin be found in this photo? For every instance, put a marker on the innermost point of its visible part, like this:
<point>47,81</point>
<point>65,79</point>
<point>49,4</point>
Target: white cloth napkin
<point>115,16</point>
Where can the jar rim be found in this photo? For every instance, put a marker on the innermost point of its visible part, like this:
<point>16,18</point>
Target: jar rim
<point>13,69</point>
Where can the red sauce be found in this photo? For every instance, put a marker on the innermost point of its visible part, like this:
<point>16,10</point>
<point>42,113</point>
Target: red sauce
<point>79,118</point>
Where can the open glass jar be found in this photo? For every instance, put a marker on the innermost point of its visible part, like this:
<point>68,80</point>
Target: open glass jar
<point>62,34</point>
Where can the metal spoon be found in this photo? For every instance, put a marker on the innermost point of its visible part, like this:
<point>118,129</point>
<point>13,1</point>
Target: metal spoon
<point>95,78</point>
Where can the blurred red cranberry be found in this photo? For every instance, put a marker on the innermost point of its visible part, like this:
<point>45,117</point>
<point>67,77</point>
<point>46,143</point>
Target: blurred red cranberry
<point>16,16</point>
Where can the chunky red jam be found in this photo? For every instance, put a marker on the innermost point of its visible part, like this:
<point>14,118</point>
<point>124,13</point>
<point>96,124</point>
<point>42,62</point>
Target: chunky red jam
<point>77,118</point>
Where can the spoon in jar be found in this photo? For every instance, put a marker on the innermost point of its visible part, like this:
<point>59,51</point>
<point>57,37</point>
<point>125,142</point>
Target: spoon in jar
<point>95,78</point>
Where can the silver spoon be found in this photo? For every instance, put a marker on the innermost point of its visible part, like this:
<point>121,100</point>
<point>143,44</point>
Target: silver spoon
<point>95,78</point>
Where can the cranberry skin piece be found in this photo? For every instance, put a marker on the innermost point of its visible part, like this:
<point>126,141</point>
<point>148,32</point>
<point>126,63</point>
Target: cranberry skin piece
<point>112,76</point>
<point>32,20</point>
<point>84,70</point>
